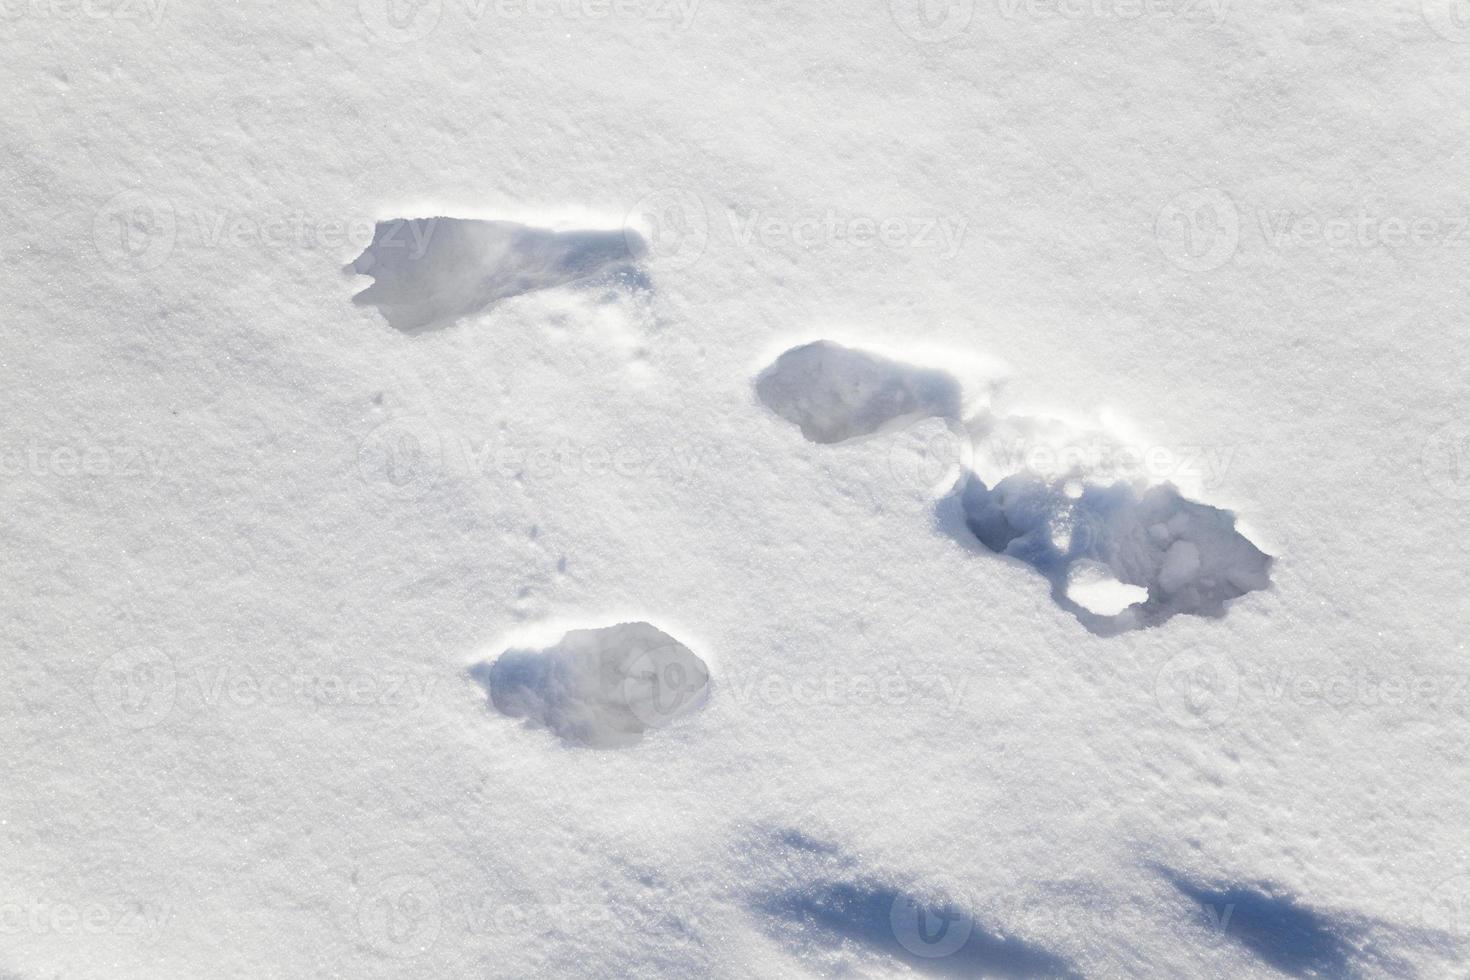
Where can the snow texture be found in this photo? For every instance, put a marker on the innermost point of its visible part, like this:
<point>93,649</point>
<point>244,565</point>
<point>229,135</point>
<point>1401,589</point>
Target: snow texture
<point>1041,425</point>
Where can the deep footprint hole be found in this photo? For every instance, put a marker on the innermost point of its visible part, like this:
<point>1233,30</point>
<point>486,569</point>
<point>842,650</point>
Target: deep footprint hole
<point>1118,558</point>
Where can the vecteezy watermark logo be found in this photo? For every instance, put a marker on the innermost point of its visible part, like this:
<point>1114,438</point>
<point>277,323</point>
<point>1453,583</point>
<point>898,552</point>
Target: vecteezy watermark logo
<point>1363,227</point>
<point>400,915</point>
<point>403,21</point>
<point>1189,11</point>
<point>810,229</point>
<point>929,933</point>
<point>1198,690</point>
<point>237,685</point>
<point>932,21</point>
<point>1447,909</point>
<point>142,464</point>
<point>1103,459</point>
<point>150,11</point>
<point>662,684</point>
<point>1216,919</point>
<point>1199,230</point>
<point>677,12</point>
<point>928,458</point>
<point>402,459</point>
<point>570,913</point>
<point>137,232</point>
<point>406,457</point>
<point>400,21</point>
<point>274,232</point>
<point>143,919</point>
<point>892,686</point>
<point>1357,688</point>
<point>672,224</point>
<point>135,688</point>
<point>134,231</point>
<point>1450,19</point>
<point>1445,458</point>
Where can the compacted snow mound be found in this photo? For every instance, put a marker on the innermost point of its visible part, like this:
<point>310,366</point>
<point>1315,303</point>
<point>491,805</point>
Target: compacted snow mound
<point>430,272</point>
<point>601,688</point>
<point>835,393</point>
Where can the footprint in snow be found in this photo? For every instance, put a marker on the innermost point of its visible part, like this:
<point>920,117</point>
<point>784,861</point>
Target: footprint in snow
<point>600,688</point>
<point>431,272</point>
<point>835,393</point>
<point>1120,551</point>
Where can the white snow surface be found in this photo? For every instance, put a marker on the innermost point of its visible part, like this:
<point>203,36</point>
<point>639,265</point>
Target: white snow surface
<point>256,539</point>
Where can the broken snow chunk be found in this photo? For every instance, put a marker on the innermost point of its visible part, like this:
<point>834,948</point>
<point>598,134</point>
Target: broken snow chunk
<point>1094,587</point>
<point>1181,562</point>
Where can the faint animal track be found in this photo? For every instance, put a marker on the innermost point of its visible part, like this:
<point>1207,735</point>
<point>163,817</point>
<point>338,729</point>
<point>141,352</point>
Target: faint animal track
<point>601,688</point>
<point>431,272</point>
<point>835,393</point>
<point>1121,549</point>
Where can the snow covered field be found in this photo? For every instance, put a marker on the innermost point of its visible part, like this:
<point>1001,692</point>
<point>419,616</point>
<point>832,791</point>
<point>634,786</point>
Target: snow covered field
<point>598,488</point>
